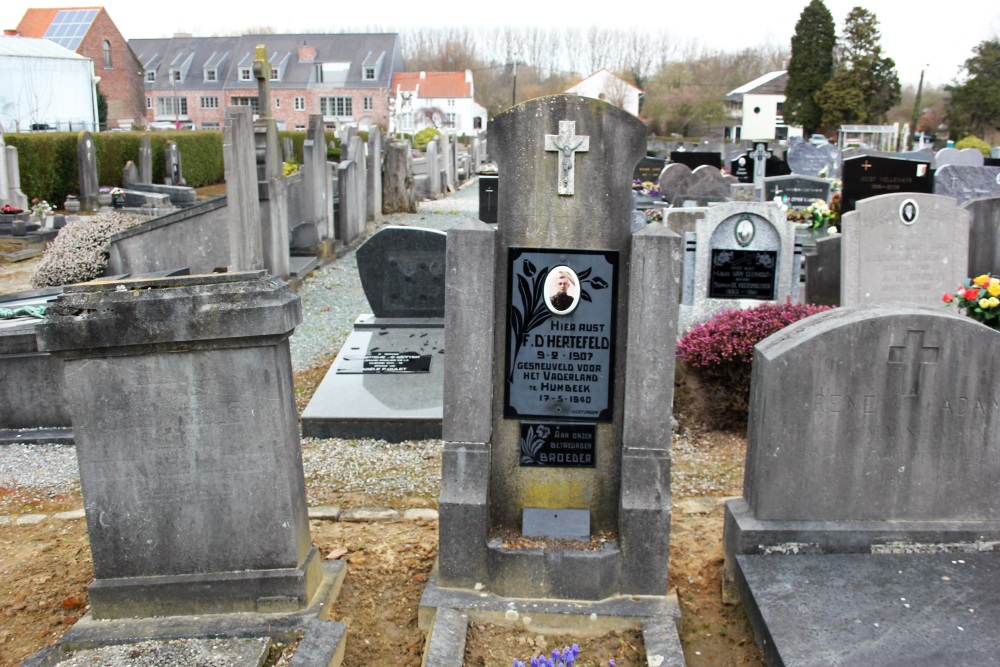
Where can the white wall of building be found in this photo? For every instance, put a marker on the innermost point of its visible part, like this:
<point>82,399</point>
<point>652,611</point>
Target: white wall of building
<point>603,85</point>
<point>55,91</point>
<point>453,115</point>
<point>760,116</point>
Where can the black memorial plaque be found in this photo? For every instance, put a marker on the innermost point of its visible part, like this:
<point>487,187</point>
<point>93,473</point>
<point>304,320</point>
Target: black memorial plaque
<point>560,348</point>
<point>488,198</point>
<point>871,175</point>
<point>649,169</point>
<point>743,274</point>
<point>389,362</point>
<point>558,444</point>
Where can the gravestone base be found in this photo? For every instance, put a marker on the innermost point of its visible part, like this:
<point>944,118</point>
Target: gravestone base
<point>322,641</point>
<point>263,591</point>
<point>446,612</point>
<point>556,574</point>
<point>874,609</point>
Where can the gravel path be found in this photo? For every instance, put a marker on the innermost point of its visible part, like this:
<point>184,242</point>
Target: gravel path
<point>332,299</point>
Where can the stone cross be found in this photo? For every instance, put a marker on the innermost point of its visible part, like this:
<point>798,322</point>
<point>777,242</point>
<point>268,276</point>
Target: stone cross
<point>567,143</point>
<point>262,72</point>
<point>759,155</point>
<point>912,357</point>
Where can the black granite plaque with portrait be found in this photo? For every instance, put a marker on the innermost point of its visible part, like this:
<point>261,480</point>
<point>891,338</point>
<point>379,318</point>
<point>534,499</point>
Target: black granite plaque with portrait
<point>561,308</point>
<point>743,274</point>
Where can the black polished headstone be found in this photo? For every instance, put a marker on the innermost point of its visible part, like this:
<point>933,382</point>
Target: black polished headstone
<point>742,168</point>
<point>801,191</point>
<point>869,175</point>
<point>402,272</point>
<point>648,169</point>
<point>488,198</point>
<point>695,159</point>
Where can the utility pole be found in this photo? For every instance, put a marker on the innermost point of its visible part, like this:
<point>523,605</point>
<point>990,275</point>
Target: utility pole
<point>514,99</point>
<point>916,104</point>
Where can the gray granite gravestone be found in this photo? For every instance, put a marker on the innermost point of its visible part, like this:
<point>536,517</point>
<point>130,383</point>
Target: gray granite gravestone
<point>14,195</point>
<point>3,175</point>
<point>145,160</point>
<point>966,157</point>
<point>433,170</point>
<point>822,270</point>
<point>744,256</point>
<point>675,179</point>
<point>808,160</point>
<point>907,247</point>
<point>387,380</point>
<point>966,182</point>
<point>86,163</point>
<point>130,174</point>
<point>984,236</point>
<point>375,174</point>
<point>174,169</point>
<point>868,525</point>
<point>183,411</point>
<point>243,208</point>
<point>708,181</point>
<point>317,209</point>
<point>802,191</point>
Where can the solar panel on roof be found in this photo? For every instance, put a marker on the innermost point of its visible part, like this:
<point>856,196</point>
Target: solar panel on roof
<point>69,27</point>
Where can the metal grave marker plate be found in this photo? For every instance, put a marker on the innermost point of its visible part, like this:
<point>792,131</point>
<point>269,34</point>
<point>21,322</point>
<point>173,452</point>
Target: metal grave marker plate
<point>561,307</point>
<point>558,444</point>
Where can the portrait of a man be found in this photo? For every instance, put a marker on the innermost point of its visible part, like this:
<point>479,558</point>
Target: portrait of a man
<point>563,290</point>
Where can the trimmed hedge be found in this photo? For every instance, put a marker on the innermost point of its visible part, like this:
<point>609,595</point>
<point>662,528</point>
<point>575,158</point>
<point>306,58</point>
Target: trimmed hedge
<point>48,159</point>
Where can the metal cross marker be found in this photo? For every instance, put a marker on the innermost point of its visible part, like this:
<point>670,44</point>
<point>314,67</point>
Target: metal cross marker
<point>913,357</point>
<point>567,143</point>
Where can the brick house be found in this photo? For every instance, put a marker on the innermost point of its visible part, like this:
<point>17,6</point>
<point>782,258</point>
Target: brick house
<point>445,100</point>
<point>191,80</point>
<point>90,32</point>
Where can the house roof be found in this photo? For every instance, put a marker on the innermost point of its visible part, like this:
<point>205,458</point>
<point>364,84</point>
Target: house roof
<point>603,72</point>
<point>35,48</point>
<point>434,84</point>
<point>66,26</point>
<point>772,83</point>
<point>299,59</point>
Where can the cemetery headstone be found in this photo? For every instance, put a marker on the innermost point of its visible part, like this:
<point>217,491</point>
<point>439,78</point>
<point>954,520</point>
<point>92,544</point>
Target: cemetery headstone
<point>272,184</point>
<point>906,247</point>
<point>808,160</point>
<point>243,207</point>
<point>86,162</point>
<point>3,174</point>
<point>287,149</point>
<point>130,174</point>
<point>708,181</point>
<point>387,380</point>
<point>184,419</point>
<point>545,403</point>
<point>398,179</point>
<point>695,159</point>
<point>868,520</point>
<point>965,182</point>
<point>314,181</point>
<point>175,172</point>
<point>823,272</point>
<point>966,157</point>
<point>433,170</point>
<point>14,194</point>
<point>375,174</point>
<point>801,191</point>
<point>870,175</point>
<point>648,169</point>
<point>984,235</point>
<point>145,160</point>
<point>488,197</point>
<point>675,179</point>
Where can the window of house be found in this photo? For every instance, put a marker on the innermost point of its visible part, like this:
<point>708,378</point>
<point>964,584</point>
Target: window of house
<point>451,103</point>
<point>211,74</point>
<point>251,102</point>
<point>300,104</point>
<point>407,121</point>
<point>274,74</point>
<point>299,127</point>
<point>210,102</point>
<point>369,74</point>
<point>150,75</point>
<point>336,106</point>
<point>449,120</point>
<point>210,126</point>
<point>106,48</point>
<point>171,106</point>
<point>149,102</point>
<point>368,103</point>
<point>277,102</point>
<point>245,74</point>
<point>176,74</point>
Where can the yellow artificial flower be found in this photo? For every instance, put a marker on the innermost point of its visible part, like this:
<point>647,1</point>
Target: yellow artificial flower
<point>982,280</point>
<point>994,302</point>
<point>984,303</point>
<point>994,287</point>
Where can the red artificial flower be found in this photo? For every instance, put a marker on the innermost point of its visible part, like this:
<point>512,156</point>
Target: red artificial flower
<point>947,298</point>
<point>971,294</point>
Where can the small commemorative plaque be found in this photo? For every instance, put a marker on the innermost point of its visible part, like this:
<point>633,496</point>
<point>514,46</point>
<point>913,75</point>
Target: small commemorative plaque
<point>558,444</point>
<point>743,274</point>
<point>561,308</point>
<point>387,362</point>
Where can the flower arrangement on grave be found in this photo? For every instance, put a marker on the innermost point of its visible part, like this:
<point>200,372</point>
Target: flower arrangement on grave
<point>117,197</point>
<point>289,168</point>
<point>565,658</point>
<point>646,188</point>
<point>40,209</point>
<point>979,297</point>
<point>818,214</point>
<point>654,215</point>
<point>10,210</point>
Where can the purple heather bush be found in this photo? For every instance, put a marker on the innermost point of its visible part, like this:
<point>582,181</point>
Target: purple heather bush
<point>720,352</point>
<point>80,251</point>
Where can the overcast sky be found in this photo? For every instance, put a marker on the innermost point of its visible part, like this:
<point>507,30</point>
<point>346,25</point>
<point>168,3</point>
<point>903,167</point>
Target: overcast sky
<point>939,39</point>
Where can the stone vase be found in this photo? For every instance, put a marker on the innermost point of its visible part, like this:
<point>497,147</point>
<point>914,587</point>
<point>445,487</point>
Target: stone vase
<point>72,206</point>
<point>104,198</point>
<point>18,228</point>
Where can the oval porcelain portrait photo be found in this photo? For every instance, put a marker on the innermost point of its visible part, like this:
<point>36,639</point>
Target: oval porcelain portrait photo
<point>562,290</point>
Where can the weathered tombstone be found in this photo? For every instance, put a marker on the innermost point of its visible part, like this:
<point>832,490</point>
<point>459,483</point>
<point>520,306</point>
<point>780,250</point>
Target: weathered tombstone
<point>375,174</point>
<point>708,181</point>
<point>184,419</point>
<point>868,523</point>
<point>243,207</point>
<point>835,157</point>
<point>387,380</point>
<point>130,174</point>
<point>984,235</point>
<point>433,171</point>
<point>397,178</point>
<point>272,183</point>
<point>823,272</point>
<point>675,179</point>
<point>871,175</point>
<point>145,160</point>
<point>3,174</point>
<point>744,256</point>
<point>14,195</point>
<point>695,159</point>
<point>287,149</point>
<point>360,194</point>
<point>801,191</point>
<point>175,171</point>
<point>808,160</point>
<point>351,216</point>
<point>86,162</point>
<point>906,247</point>
<point>317,206</point>
<point>966,157</point>
<point>648,169</point>
<point>965,182</point>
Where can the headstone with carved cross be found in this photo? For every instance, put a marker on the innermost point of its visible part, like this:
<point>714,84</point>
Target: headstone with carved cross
<point>559,327</point>
<point>871,466</point>
<point>906,247</point>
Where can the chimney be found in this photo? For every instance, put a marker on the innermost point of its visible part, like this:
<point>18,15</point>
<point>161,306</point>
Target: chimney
<point>11,32</point>
<point>423,75</point>
<point>307,54</point>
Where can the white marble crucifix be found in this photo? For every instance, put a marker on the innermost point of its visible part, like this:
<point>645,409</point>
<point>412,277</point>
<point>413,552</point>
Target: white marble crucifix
<point>567,143</point>
<point>759,155</point>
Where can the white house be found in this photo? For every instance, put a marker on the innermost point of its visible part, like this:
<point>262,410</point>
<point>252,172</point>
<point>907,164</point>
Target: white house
<point>445,100</point>
<point>603,85</point>
<point>45,86</point>
<point>758,107</point>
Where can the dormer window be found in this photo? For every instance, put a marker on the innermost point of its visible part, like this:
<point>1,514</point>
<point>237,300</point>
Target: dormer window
<point>369,73</point>
<point>150,75</point>
<point>274,74</point>
<point>177,75</point>
<point>211,74</point>
<point>246,74</point>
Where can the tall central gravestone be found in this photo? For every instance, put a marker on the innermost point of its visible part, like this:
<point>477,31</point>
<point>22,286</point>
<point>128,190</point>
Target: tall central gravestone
<point>559,326</point>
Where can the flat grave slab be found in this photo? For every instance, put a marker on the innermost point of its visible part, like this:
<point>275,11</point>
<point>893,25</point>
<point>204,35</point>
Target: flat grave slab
<point>387,382</point>
<point>873,609</point>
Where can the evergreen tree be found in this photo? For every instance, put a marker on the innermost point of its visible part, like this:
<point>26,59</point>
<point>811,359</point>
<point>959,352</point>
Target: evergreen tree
<point>974,107</point>
<point>810,66</point>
